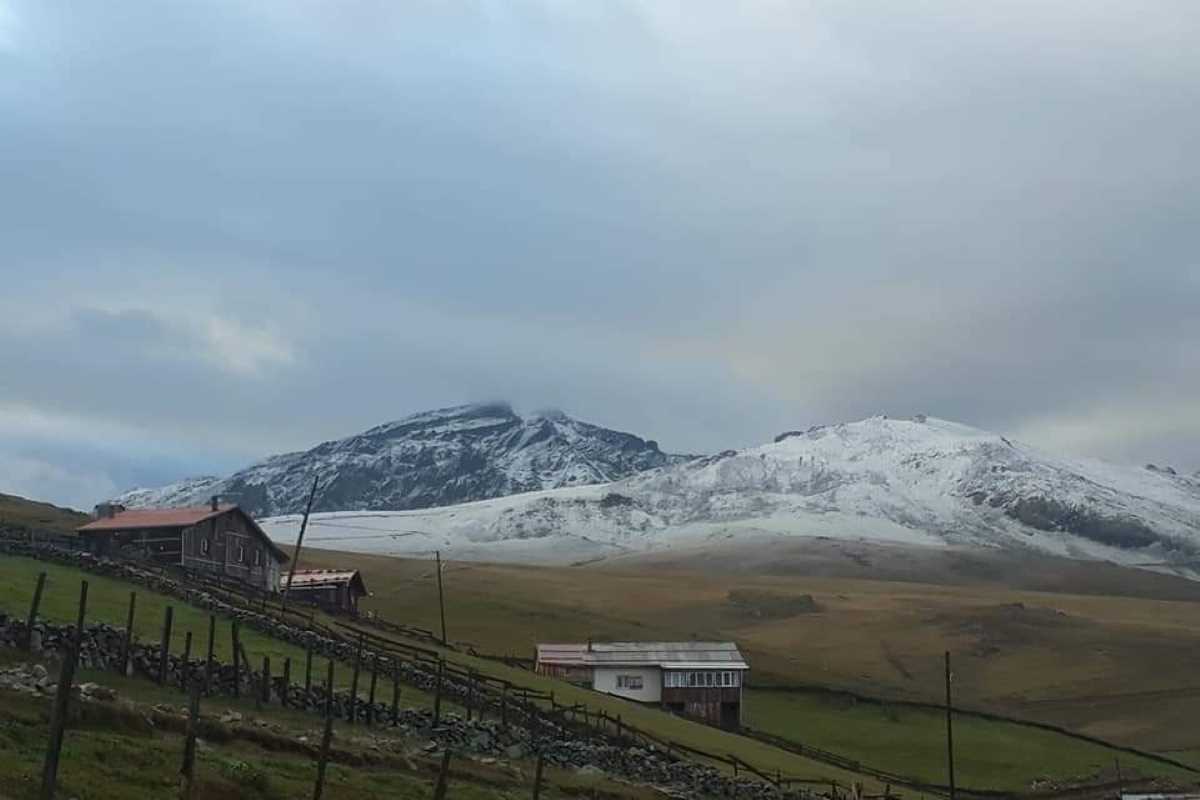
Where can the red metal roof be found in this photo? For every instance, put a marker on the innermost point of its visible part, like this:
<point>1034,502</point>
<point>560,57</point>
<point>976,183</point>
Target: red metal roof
<point>135,518</point>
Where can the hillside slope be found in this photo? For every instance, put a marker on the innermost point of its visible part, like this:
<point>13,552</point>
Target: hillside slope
<point>920,481</point>
<point>435,458</point>
<point>20,512</point>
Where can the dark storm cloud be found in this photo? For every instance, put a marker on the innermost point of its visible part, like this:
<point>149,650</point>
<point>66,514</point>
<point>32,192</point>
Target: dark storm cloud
<point>231,229</point>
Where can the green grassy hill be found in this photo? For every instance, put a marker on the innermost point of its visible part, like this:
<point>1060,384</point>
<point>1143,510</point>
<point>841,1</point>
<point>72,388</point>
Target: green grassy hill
<point>30,514</point>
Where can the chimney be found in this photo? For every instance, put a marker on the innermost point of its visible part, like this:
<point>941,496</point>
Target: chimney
<point>107,510</point>
<point>215,501</point>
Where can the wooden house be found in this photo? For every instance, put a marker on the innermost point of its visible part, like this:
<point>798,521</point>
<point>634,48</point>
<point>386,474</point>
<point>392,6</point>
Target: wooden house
<point>217,538</point>
<point>697,679</point>
<point>337,590</point>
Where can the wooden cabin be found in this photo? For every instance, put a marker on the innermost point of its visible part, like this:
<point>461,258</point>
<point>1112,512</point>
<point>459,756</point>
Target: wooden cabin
<point>217,538</point>
<point>696,679</point>
<point>336,590</point>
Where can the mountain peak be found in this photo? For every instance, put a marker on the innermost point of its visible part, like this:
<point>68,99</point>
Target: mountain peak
<point>440,457</point>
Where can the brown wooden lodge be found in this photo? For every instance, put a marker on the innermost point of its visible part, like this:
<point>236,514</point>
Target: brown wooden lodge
<point>218,538</point>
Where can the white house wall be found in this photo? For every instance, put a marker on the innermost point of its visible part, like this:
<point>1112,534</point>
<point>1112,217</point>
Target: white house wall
<point>604,679</point>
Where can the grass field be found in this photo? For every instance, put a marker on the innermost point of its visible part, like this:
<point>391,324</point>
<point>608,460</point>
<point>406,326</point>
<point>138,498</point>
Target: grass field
<point>107,602</point>
<point>988,754</point>
<point>111,752</point>
<point>1040,655</point>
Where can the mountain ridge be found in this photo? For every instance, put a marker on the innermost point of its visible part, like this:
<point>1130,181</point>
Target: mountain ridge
<point>431,458</point>
<point>920,480</point>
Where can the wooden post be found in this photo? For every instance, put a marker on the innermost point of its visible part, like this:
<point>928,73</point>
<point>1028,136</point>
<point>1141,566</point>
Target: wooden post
<point>58,720</point>
<point>470,692</point>
<point>185,673</point>
<point>537,777</point>
<point>395,695</point>
<point>441,596</point>
<point>128,643</point>
<point>307,670</point>
<point>327,737</point>
<point>439,789</point>
<point>354,680</point>
<point>237,664</point>
<point>287,682</point>
<point>504,709</point>
<point>437,695</point>
<point>164,649</point>
<point>949,729</point>
<point>33,609</point>
<point>266,680</point>
<point>371,693</point>
<point>208,659</point>
<point>188,770</point>
<point>299,543</point>
<point>619,731</point>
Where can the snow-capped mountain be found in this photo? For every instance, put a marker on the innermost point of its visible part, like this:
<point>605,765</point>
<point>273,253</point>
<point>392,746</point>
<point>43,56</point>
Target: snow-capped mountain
<point>920,480</point>
<point>436,458</point>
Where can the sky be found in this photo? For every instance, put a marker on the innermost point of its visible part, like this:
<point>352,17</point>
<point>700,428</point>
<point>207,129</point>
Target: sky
<point>231,229</point>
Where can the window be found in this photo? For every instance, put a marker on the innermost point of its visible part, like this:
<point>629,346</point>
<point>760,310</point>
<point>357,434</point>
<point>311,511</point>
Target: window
<point>629,681</point>
<point>258,556</point>
<point>678,679</point>
<point>241,554</point>
<point>204,547</point>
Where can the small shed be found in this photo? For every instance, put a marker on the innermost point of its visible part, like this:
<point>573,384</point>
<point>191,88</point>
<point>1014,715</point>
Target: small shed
<point>697,679</point>
<point>332,589</point>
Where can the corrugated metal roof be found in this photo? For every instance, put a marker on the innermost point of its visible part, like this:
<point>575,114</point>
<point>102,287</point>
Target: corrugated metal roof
<point>137,518</point>
<point>313,578</point>
<point>677,655</point>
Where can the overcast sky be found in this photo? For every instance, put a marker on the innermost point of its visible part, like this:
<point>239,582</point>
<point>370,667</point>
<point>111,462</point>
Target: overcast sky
<point>229,229</point>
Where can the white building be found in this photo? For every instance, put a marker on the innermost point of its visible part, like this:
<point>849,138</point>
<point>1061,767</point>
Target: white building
<point>697,679</point>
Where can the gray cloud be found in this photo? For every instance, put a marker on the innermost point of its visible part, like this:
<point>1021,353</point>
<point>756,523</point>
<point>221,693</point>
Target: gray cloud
<point>238,228</point>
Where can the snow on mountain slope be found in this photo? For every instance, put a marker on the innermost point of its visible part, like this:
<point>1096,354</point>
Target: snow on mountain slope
<point>434,458</point>
<point>922,481</point>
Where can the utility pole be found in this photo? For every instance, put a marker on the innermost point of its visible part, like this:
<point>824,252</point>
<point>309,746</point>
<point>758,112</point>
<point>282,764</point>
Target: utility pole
<point>441,596</point>
<point>949,729</point>
<point>299,542</point>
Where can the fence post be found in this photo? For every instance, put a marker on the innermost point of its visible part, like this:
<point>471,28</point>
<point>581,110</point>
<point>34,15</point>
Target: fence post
<point>185,673</point>
<point>470,693</point>
<point>128,643</point>
<point>62,697</point>
<point>165,647</point>
<point>537,777</point>
<point>371,693</point>
<point>237,661</point>
<point>504,709</point>
<point>949,730</point>
<point>33,609</point>
<point>308,670</point>
<point>266,680</point>
<point>208,659</point>
<point>395,694</point>
<point>327,737</point>
<point>439,789</point>
<point>437,695</point>
<point>188,770</point>
<point>287,682</point>
<point>354,680</point>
